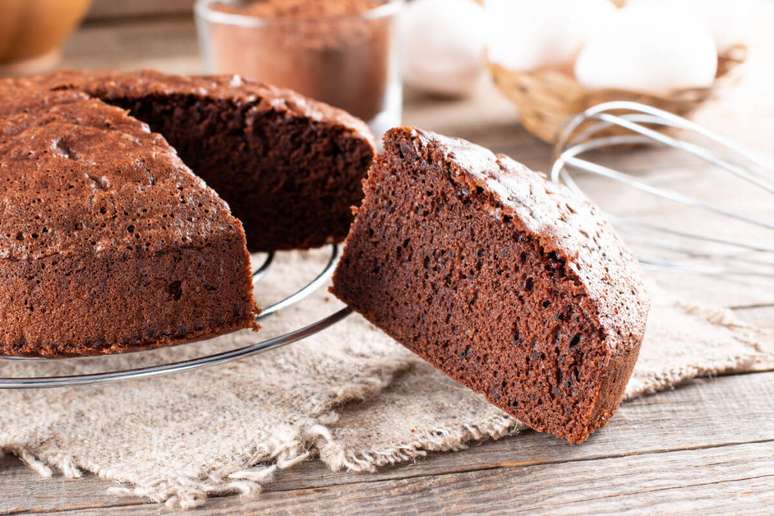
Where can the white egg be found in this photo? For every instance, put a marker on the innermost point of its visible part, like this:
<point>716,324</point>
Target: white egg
<point>728,20</point>
<point>650,50</point>
<point>530,34</point>
<point>443,45</point>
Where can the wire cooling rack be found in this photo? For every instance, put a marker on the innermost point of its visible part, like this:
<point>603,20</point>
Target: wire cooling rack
<point>209,360</point>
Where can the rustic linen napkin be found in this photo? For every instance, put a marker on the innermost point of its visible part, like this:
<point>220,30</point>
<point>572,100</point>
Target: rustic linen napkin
<point>231,429</point>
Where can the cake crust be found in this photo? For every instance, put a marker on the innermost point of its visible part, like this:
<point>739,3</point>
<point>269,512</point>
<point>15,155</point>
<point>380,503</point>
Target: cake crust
<point>288,166</point>
<point>507,283</point>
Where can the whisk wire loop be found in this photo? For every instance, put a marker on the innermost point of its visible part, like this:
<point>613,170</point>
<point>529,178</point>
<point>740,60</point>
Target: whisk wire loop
<point>626,123</point>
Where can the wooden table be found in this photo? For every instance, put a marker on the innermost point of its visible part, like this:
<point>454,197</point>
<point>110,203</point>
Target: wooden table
<point>705,447</point>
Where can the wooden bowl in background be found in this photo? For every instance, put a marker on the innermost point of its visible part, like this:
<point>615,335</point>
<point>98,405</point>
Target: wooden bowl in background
<point>32,32</point>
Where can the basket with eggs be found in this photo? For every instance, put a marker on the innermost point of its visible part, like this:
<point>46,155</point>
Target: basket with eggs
<point>555,58</point>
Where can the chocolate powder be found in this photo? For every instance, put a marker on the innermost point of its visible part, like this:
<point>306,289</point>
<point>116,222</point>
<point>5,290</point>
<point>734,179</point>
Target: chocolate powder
<point>300,9</point>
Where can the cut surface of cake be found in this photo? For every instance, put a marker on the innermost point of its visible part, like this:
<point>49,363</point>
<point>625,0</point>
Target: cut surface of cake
<point>108,242</point>
<point>509,284</point>
<point>289,167</point>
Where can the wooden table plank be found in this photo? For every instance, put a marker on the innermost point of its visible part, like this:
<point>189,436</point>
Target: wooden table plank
<point>721,480</point>
<point>720,413</point>
<point>121,9</point>
<point>164,44</point>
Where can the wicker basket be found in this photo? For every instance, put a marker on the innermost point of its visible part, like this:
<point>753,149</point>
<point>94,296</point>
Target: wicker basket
<point>547,99</point>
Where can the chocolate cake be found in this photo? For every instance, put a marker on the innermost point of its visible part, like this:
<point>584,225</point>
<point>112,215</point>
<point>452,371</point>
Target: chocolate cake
<point>108,242</point>
<point>507,283</point>
<point>290,168</point>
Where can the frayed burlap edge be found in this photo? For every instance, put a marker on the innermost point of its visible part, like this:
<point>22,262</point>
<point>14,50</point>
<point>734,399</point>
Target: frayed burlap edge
<point>336,457</point>
<point>186,492</point>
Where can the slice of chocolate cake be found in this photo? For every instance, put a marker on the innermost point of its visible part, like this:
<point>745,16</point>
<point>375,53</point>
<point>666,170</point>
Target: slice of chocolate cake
<point>108,242</point>
<point>509,284</point>
<point>290,168</point>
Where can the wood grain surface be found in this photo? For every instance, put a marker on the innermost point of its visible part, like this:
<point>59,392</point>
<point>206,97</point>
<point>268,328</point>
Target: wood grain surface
<point>122,9</point>
<point>707,447</point>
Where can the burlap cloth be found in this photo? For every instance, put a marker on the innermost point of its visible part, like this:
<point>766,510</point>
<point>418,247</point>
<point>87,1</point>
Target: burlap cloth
<point>349,395</point>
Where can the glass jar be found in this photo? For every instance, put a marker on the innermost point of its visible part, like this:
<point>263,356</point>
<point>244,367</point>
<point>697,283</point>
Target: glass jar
<point>346,60</point>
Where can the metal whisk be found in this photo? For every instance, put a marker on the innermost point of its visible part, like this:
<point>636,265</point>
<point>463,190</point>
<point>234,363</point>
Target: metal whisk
<point>677,229</point>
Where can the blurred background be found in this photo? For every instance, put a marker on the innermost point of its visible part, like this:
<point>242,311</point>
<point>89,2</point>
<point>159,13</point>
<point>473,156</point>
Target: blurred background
<point>546,60</point>
<point>543,61</point>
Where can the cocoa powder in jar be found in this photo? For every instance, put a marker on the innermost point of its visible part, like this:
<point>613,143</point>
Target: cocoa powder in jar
<point>330,50</point>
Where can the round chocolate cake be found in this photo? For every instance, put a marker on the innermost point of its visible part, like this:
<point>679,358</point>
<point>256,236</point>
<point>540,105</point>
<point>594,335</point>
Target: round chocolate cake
<point>110,242</point>
<point>509,284</point>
